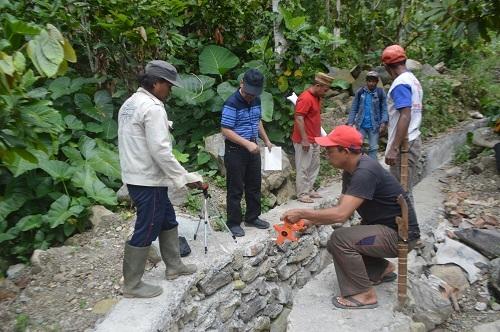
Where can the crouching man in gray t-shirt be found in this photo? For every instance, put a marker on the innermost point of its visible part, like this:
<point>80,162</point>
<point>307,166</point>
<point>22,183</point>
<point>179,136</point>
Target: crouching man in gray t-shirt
<point>358,252</point>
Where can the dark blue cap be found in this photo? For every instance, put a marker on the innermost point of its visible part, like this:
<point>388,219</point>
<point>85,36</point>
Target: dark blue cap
<point>253,82</point>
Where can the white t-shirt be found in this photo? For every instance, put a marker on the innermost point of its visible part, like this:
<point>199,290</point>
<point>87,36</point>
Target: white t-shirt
<point>405,91</point>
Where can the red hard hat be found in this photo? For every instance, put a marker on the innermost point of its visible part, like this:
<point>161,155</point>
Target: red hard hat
<point>393,54</point>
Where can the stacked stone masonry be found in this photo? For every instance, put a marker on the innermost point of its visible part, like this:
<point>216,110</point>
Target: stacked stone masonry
<point>252,287</point>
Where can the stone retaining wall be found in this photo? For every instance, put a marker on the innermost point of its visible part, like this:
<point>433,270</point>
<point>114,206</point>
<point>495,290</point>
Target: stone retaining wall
<point>249,290</point>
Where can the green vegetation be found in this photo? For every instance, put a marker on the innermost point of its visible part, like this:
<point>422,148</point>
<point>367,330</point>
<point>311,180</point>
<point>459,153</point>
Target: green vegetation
<point>66,66</point>
<point>22,322</point>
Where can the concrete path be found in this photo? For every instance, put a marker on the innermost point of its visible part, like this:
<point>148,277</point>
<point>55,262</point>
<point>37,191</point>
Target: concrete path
<point>312,306</point>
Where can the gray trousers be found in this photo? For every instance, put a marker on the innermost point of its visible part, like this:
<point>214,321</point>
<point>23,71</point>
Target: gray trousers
<point>307,167</point>
<point>413,156</point>
<point>358,254</point>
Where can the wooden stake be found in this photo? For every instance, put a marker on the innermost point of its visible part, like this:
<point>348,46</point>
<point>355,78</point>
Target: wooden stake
<point>403,228</point>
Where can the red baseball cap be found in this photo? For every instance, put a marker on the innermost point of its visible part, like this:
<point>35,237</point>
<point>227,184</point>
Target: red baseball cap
<point>393,54</point>
<point>344,136</point>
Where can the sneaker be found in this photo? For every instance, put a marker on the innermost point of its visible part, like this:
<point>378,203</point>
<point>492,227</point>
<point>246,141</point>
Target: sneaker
<point>236,230</point>
<point>258,223</point>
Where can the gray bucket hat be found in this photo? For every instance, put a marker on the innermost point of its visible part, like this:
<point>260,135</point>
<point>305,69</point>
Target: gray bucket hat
<point>164,70</point>
<point>373,74</point>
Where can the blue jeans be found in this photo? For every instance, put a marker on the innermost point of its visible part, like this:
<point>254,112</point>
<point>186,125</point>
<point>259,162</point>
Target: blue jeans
<point>372,137</point>
<point>155,213</point>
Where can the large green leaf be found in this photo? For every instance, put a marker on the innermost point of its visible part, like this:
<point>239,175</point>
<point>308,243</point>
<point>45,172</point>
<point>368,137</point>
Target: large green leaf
<point>19,62</point>
<point>87,146</point>
<point>11,203</point>
<point>225,89</point>
<point>110,129</point>
<point>60,87</point>
<point>69,52</point>
<point>58,170</point>
<point>84,103</point>
<point>195,89</point>
<point>6,64</point>
<point>6,237</point>
<point>267,106</point>
<point>42,117</point>
<point>104,103</point>
<point>103,159</point>
<point>61,210</point>
<point>86,179</point>
<point>73,154</point>
<point>73,123</point>
<point>19,161</point>
<point>22,28</point>
<point>46,53</point>
<point>30,222</point>
<point>217,60</point>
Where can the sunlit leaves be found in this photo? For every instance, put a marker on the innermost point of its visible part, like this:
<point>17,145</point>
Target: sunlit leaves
<point>217,60</point>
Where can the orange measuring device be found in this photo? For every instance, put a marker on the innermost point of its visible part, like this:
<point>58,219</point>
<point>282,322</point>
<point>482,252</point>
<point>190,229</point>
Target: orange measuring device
<point>286,231</point>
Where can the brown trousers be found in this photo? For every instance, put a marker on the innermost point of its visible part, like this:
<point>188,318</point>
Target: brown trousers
<point>414,152</point>
<point>358,253</point>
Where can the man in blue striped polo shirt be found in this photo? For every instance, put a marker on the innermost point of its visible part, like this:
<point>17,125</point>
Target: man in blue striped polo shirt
<point>241,125</point>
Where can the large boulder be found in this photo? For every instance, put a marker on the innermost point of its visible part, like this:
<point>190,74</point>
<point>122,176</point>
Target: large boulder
<point>278,183</point>
<point>384,76</point>
<point>453,275</point>
<point>494,282</point>
<point>428,70</point>
<point>341,74</point>
<point>429,305</point>
<point>413,65</point>
<point>214,145</point>
<point>97,212</point>
<point>486,241</point>
<point>454,252</point>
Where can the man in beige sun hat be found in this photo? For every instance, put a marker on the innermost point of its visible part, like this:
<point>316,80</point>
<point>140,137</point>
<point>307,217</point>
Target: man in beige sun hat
<point>307,126</point>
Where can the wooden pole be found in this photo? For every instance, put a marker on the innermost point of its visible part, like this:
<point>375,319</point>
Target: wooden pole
<point>403,228</point>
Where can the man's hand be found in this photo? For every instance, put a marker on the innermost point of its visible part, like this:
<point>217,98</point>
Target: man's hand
<point>252,147</point>
<point>195,185</point>
<point>269,145</point>
<point>391,156</point>
<point>383,128</point>
<point>305,145</point>
<point>292,216</point>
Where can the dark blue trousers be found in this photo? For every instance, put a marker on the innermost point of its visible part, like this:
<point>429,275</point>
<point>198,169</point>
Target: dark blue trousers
<point>155,213</point>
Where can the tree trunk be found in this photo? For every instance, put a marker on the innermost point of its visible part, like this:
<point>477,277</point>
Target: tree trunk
<point>399,32</point>
<point>336,29</point>
<point>280,44</point>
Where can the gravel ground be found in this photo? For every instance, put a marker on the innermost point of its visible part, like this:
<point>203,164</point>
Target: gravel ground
<point>483,188</point>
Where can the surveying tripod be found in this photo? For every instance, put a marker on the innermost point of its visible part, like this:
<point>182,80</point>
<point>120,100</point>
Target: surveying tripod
<point>204,216</point>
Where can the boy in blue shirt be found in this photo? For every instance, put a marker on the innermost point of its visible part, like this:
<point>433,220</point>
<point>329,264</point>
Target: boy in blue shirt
<point>369,112</point>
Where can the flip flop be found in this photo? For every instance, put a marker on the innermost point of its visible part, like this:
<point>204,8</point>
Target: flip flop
<point>315,194</point>
<point>358,305</point>
<point>387,278</point>
<point>305,199</point>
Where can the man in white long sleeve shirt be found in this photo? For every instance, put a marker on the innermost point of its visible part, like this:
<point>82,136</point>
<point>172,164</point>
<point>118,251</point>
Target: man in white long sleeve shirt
<point>149,168</point>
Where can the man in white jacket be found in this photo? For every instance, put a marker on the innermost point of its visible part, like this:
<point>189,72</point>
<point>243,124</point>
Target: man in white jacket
<point>149,168</point>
